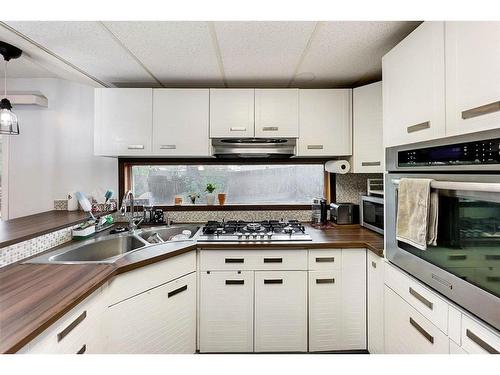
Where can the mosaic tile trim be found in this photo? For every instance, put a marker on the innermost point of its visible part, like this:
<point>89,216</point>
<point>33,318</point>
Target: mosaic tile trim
<point>351,185</point>
<point>61,204</point>
<point>22,250</point>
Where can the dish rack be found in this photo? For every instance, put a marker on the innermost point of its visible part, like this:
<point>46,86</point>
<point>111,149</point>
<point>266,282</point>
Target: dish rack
<point>375,187</point>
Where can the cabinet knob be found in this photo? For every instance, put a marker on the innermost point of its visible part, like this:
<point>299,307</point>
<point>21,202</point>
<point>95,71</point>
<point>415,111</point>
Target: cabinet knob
<point>481,110</point>
<point>168,147</point>
<point>135,147</point>
<point>418,127</point>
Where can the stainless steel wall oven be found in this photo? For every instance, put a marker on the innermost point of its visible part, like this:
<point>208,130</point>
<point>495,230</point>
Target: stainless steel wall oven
<point>465,264</point>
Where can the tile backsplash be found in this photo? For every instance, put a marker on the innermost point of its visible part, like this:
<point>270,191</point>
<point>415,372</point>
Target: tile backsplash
<point>349,186</point>
<point>25,249</point>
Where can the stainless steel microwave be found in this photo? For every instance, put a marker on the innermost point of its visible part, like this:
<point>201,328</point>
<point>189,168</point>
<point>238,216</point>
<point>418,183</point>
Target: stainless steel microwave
<point>465,264</point>
<point>372,213</point>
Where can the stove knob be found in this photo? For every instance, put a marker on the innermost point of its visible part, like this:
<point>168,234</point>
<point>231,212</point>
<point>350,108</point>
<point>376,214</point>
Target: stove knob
<point>254,235</point>
<point>247,235</point>
<point>269,235</point>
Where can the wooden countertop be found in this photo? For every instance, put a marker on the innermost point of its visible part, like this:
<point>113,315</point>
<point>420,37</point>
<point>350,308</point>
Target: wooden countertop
<point>33,296</point>
<point>28,227</point>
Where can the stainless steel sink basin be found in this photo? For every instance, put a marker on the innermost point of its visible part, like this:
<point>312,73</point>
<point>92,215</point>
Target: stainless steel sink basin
<point>169,233</point>
<point>100,250</point>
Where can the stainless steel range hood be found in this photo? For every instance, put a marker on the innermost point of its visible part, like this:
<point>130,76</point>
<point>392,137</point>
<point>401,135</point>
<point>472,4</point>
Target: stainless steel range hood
<point>253,147</point>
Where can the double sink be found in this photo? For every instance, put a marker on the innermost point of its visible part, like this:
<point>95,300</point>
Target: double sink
<point>109,248</point>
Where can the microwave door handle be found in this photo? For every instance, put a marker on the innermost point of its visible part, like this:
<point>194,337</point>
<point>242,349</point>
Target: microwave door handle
<point>462,186</point>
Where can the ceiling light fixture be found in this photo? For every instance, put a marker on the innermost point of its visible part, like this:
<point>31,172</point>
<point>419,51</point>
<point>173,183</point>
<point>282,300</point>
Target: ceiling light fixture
<point>8,119</point>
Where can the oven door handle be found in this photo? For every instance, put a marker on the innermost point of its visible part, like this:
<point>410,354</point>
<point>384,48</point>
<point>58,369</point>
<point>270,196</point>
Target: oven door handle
<point>463,186</point>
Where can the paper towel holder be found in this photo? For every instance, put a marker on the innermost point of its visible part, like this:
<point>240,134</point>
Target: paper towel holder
<point>337,166</point>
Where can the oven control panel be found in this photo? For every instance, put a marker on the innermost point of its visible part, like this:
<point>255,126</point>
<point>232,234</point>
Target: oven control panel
<point>468,153</point>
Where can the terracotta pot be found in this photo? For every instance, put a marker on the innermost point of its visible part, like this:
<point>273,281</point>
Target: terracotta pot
<point>222,198</point>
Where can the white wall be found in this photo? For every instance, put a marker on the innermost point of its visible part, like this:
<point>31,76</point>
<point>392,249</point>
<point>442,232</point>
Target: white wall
<point>53,155</point>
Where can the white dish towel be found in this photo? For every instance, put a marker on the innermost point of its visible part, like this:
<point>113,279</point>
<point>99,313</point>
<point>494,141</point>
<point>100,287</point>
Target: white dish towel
<point>417,215</point>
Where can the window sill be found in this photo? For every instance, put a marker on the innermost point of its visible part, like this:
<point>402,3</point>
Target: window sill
<point>237,207</point>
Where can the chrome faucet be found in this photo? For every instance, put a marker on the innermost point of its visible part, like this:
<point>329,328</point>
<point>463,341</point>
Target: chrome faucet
<point>129,197</point>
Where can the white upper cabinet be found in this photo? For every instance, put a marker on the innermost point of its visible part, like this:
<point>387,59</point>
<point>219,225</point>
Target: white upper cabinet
<point>180,122</point>
<point>123,121</point>
<point>231,113</point>
<point>325,122</point>
<point>472,76</point>
<point>277,113</point>
<point>368,148</point>
<point>414,87</point>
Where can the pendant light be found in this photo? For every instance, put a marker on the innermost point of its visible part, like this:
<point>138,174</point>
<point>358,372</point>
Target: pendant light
<point>8,119</point>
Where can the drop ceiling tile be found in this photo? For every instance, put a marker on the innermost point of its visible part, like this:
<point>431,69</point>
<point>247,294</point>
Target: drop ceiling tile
<point>87,45</point>
<point>343,53</point>
<point>177,53</point>
<point>260,51</point>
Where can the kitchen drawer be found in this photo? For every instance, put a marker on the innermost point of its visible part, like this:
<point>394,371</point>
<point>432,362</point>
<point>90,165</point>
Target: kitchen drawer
<point>75,333</point>
<point>137,281</point>
<point>421,298</point>
<point>477,338</point>
<point>409,332</point>
<point>258,259</point>
<point>325,259</point>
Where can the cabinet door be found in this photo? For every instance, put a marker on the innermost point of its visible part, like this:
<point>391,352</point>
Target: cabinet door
<point>375,300</point>
<point>413,87</point>
<point>325,122</point>
<point>277,113</point>
<point>477,339</point>
<point>325,310</point>
<point>180,122</point>
<point>226,311</point>
<point>368,148</point>
<point>409,332</point>
<point>159,321</point>
<point>353,299</point>
<point>472,76</point>
<point>231,113</point>
<point>281,311</point>
<point>123,121</point>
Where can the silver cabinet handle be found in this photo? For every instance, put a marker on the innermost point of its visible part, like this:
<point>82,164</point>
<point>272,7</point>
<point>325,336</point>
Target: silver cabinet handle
<point>235,282</point>
<point>238,129</point>
<point>370,163</point>
<point>234,260</point>
<point>418,127</point>
<point>492,257</point>
<point>422,331</point>
<point>457,257</point>
<point>168,147</point>
<point>273,260</point>
<point>479,341</point>
<point>82,350</point>
<point>177,291</point>
<point>325,281</point>
<point>270,128</point>
<point>273,281</point>
<point>135,147</point>
<point>481,110</point>
<point>315,147</point>
<point>421,298</point>
<point>325,260</point>
<point>72,326</point>
<point>374,265</point>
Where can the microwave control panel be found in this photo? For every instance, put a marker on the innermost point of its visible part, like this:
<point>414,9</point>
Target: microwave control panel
<point>468,153</point>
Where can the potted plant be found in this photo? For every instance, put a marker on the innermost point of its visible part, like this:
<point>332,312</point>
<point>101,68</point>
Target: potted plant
<point>210,196</point>
<point>193,197</point>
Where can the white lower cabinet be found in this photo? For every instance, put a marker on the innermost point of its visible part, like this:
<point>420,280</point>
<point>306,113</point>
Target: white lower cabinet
<point>160,320</point>
<point>375,303</point>
<point>281,311</point>
<point>477,339</point>
<point>77,332</point>
<point>325,310</point>
<point>409,332</point>
<point>226,311</point>
<point>337,301</point>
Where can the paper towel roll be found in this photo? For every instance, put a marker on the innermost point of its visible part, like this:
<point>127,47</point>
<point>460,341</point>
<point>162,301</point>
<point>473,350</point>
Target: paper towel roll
<point>337,166</point>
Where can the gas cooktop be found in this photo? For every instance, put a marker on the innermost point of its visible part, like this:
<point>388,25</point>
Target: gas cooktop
<point>245,231</point>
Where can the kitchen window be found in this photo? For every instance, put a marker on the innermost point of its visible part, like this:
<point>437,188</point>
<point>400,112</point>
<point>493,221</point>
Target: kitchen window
<point>244,184</point>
